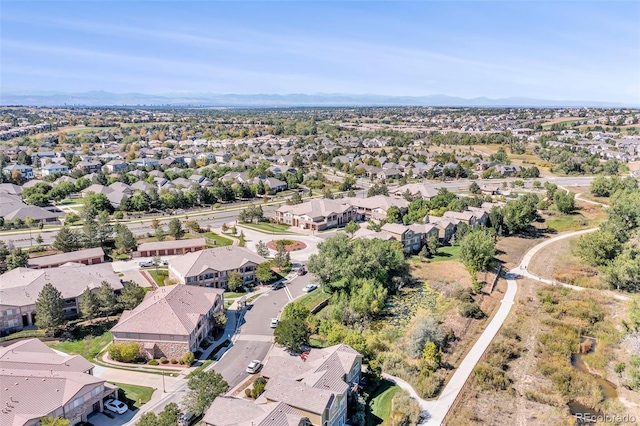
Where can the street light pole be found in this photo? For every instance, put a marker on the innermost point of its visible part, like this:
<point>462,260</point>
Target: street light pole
<point>163,389</point>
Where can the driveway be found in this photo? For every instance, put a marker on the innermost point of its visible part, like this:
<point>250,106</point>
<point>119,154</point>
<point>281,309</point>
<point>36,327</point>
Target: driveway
<point>100,419</point>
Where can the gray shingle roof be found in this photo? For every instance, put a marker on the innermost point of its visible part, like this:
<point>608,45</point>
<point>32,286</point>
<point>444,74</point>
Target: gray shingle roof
<point>218,259</point>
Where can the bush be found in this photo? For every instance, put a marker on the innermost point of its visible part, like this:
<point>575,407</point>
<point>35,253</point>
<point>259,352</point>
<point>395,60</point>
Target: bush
<point>164,360</point>
<point>258,387</point>
<point>428,385</point>
<point>174,361</point>
<point>486,377</point>
<point>187,359</point>
<point>471,310</point>
<point>124,352</point>
<point>152,362</point>
<point>247,393</point>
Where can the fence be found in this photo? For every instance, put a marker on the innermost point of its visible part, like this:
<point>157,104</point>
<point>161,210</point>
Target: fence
<point>495,280</point>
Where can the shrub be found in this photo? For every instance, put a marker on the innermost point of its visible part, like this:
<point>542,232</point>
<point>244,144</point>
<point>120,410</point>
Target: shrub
<point>486,377</point>
<point>404,410</point>
<point>118,215</point>
<point>187,359</point>
<point>124,352</point>
<point>429,385</point>
<point>152,362</point>
<point>163,360</point>
<point>247,392</point>
<point>174,361</point>
<point>471,310</point>
<point>258,387</point>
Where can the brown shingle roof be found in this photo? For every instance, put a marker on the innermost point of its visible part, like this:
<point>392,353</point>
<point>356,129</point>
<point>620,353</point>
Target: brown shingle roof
<point>178,308</point>
<point>218,259</point>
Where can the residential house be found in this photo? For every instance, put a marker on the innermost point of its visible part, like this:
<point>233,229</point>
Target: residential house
<point>425,231</point>
<point>411,242</point>
<point>446,227</point>
<point>211,267</point>
<point>51,168</point>
<point>89,166</point>
<point>315,390</point>
<point>471,218</point>
<point>39,382</point>
<point>426,191</point>
<point>19,289</point>
<point>376,207</point>
<point>25,171</point>
<point>184,313</point>
<point>116,166</point>
<point>317,214</point>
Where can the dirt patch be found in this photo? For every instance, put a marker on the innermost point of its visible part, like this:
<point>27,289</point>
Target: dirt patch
<point>512,249</point>
<point>290,245</point>
<point>557,262</point>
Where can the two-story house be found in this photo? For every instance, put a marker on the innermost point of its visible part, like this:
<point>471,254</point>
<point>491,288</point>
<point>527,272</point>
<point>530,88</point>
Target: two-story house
<point>410,240</point>
<point>51,168</point>
<point>170,321</point>
<point>212,267</point>
<point>25,171</point>
<point>316,388</point>
<point>317,214</point>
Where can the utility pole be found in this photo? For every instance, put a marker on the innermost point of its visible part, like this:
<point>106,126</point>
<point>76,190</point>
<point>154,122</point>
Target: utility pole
<point>163,389</point>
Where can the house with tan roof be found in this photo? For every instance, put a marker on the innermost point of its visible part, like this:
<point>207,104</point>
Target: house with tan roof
<point>318,214</point>
<point>376,207</point>
<point>212,267</point>
<point>312,391</point>
<point>64,385</point>
<point>411,242</point>
<point>91,256</point>
<point>168,248</point>
<point>19,289</point>
<point>170,321</point>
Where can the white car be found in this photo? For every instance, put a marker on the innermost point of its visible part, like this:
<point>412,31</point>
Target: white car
<point>146,263</point>
<point>274,322</point>
<point>116,406</point>
<point>309,288</point>
<point>253,367</point>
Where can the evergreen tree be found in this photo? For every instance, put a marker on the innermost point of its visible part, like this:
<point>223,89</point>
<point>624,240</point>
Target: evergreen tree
<point>106,299</point>
<point>90,232</point>
<point>49,307</point>
<point>131,296</point>
<point>125,241</point>
<point>175,228</point>
<point>89,305</point>
<point>66,240</point>
<point>105,229</point>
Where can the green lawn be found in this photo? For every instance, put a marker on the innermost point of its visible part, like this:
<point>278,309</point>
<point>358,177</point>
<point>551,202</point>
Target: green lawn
<point>134,395</point>
<point>380,404</point>
<point>314,298</point>
<point>233,294</point>
<point>447,253</point>
<point>219,240</point>
<point>88,346</point>
<point>268,228</point>
<point>157,275</point>
<point>23,334</point>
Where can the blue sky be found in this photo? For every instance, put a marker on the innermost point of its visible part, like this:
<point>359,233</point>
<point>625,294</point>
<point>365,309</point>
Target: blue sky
<point>574,50</point>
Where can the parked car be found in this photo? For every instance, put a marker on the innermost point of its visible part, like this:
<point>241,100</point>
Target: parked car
<point>146,263</point>
<point>186,419</point>
<point>279,284</point>
<point>164,262</point>
<point>274,322</point>
<point>253,367</point>
<point>309,288</point>
<point>302,270</point>
<point>116,406</point>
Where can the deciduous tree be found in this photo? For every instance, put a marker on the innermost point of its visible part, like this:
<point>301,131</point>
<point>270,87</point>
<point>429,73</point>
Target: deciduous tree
<point>203,388</point>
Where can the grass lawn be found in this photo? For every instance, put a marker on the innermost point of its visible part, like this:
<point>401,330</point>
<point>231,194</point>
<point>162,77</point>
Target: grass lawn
<point>216,240</point>
<point>134,395</point>
<point>157,275</point>
<point>88,346</point>
<point>447,253</point>
<point>314,298</point>
<point>233,294</point>
<point>268,228</point>
<point>23,334</point>
<point>380,404</point>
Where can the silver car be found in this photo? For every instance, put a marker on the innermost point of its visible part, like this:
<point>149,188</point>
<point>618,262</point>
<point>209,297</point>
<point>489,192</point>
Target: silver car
<point>253,367</point>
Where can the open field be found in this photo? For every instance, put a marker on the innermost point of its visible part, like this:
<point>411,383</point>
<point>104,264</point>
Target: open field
<point>557,262</point>
<point>522,378</point>
<point>87,347</point>
<point>587,216</point>
<point>447,253</point>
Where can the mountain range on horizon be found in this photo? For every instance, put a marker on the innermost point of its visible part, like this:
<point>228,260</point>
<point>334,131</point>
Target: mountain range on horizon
<point>103,98</point>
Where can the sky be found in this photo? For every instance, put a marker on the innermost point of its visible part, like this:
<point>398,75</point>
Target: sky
<point>573,50</point>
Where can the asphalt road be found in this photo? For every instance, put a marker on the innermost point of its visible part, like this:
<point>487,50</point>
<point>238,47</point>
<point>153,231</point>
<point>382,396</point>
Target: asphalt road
<point>255,335</point>
<point>217,218</point>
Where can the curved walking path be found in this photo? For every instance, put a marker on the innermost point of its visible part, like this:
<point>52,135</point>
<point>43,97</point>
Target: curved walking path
<point>436,410</point>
